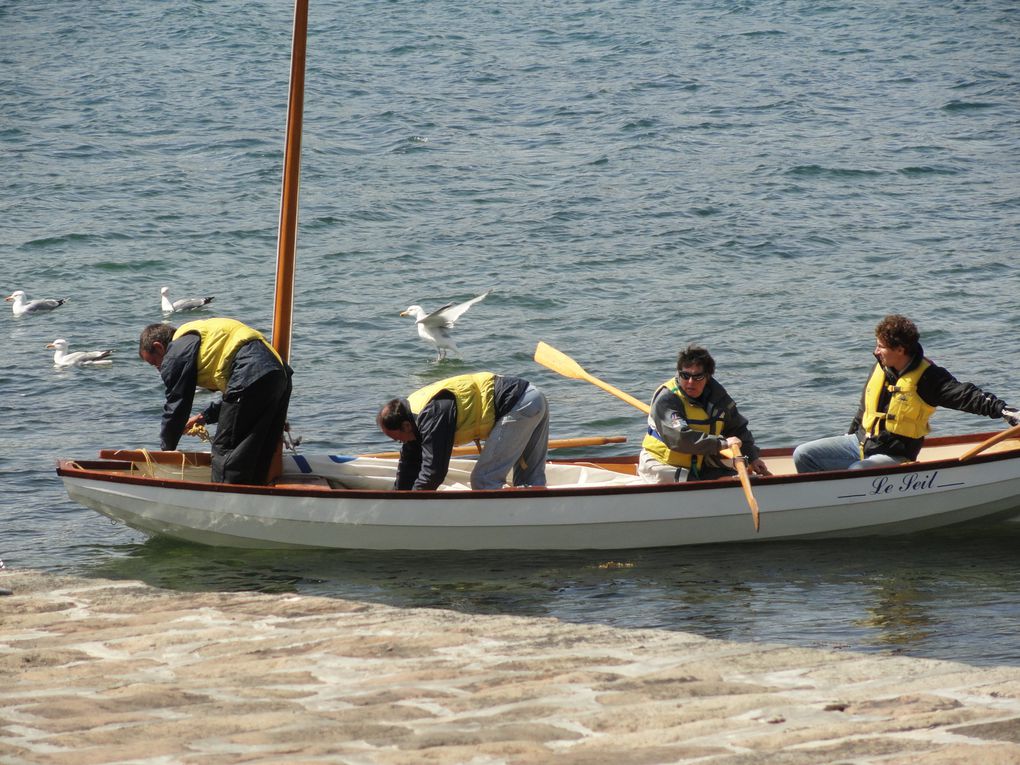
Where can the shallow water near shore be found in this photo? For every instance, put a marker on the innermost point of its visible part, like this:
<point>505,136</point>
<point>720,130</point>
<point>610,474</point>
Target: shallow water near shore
<point>767,179</point>
<point>949,594</point>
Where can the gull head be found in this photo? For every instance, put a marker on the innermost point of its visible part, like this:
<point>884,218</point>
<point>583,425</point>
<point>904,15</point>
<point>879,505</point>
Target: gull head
<point>414,311</point>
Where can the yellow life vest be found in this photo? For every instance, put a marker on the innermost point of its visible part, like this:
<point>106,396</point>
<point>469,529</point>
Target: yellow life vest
<point>697,419</point>
<point>476,404</point>
<point>907,413</point>
<point>220,341</point>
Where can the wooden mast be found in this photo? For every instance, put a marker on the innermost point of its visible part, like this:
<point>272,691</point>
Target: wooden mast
<point>286,245</point>
<point>283,313</point>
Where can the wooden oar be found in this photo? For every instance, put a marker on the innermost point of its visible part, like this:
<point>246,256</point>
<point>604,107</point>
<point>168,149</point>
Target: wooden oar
<point>745,480</point>
<point>554,443</point>
<point>560,362</point>
<point>1008,433</point>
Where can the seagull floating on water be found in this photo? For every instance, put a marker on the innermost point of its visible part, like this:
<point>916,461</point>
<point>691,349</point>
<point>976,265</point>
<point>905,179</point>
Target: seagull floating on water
<point>63,359</point>
<point>22,305</point>
<point>184,304</point>
<point>435,327</point>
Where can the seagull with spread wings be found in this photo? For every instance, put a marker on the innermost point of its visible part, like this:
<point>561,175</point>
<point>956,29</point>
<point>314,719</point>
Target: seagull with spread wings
<point>434,328</point>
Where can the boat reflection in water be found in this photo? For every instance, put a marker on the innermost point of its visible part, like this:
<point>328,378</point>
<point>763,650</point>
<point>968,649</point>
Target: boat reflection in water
<point>949,594</point>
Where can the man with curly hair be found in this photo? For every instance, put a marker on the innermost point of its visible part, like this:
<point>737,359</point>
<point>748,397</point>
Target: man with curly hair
<point>899,398</point>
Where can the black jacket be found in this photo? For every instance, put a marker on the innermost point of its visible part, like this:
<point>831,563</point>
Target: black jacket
<point>179,371</point>
<point>425,461</point>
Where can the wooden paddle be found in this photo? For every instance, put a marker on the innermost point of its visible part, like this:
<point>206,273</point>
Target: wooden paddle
<point>554,443</point>
<point>1002,436</point>
<point>561,363</point>
<point>745,480</point>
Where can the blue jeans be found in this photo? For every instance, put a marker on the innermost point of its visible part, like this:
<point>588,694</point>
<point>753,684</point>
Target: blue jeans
<point>519,439</point>
<point>837,453</point>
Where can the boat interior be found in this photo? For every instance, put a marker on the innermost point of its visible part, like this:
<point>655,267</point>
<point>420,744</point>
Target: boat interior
<point>371,472</point>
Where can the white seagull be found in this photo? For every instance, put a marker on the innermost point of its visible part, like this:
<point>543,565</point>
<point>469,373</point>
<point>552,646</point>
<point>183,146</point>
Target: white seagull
<point>63,359</point>
<point>184,304</point>
<point>22,306</point>
<point>435,327</point>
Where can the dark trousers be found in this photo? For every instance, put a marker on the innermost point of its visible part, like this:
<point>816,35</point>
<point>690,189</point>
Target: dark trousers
<point>249,430</point>
<point>713,472</point>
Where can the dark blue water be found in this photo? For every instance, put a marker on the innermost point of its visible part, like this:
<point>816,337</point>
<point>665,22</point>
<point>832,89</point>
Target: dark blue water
<point>765,178</point>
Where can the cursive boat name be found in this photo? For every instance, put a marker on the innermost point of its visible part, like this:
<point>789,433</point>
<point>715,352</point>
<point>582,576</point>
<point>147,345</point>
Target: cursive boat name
<point>905,484</point>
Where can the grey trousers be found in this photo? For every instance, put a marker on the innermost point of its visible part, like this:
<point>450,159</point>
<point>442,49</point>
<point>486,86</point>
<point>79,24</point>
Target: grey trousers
<point>519,440</point>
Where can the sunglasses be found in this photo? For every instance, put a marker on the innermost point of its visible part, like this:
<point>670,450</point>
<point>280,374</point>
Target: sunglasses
<point>696,377</point>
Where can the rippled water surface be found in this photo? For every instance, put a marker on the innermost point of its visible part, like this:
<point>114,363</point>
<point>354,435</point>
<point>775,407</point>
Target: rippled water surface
<point>765,178</point>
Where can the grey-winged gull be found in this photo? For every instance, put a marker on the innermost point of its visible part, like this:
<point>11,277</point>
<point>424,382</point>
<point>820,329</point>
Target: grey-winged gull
<point>184,304</point>
<point>22,305</point>
<point>434,328</point>
<point>62,359</point>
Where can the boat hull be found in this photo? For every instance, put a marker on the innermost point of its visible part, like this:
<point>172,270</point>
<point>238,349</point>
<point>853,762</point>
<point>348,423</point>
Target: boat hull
<point>601,516</point>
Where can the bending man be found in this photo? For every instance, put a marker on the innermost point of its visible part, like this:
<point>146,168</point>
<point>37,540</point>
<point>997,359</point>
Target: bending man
<point>692,419</point>
<point>899,398</point>
<point>510,414</point>
<point>230,357</point>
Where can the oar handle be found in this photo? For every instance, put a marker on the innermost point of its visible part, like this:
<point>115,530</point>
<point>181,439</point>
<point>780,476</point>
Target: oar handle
<point>1001,436</point>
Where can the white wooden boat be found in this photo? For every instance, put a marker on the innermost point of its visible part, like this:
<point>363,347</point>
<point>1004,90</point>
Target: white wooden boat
<point>344,502</point>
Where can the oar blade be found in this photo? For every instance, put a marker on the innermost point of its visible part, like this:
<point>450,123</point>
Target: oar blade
<point>745,481</point>
<point>559,362</point>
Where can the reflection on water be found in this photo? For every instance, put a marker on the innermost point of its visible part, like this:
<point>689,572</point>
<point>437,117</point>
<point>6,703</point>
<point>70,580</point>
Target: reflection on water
<point>900,615</point>
<point>953,594</point>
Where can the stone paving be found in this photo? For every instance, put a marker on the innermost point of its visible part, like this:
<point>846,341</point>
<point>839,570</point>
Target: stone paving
<point>97,671</point>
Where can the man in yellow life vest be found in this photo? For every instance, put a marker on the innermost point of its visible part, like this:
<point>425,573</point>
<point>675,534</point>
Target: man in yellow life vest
<point>230,357</point>
<point>692,419</point>
<point>899,398</point>
<point>510,414</point>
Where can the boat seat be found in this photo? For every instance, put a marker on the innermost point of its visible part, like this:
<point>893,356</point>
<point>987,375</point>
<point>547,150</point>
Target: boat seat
<point>302,482</point>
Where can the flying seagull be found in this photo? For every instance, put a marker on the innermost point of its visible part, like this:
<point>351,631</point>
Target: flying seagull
<point>22,306</point>
<point>184,304</point>
<point>63,359</point>
<point>435,327</point>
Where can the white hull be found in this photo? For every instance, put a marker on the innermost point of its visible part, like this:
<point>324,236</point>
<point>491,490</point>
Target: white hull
<point>588,509</point>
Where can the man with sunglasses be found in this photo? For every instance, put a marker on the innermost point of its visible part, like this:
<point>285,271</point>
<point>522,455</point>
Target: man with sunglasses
<point>899,398</point>
<point>693,418</point>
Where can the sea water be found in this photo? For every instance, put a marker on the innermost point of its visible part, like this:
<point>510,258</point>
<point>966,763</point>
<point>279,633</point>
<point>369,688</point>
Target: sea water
<point>764,178</point>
